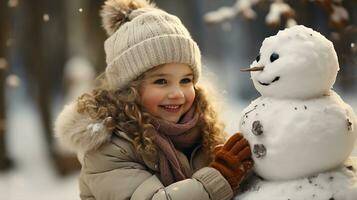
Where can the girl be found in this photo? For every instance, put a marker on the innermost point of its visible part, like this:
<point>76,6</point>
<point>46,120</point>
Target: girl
<point>149,131</point>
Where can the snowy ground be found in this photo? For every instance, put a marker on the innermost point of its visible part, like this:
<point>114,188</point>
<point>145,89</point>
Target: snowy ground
<point>34,178</point>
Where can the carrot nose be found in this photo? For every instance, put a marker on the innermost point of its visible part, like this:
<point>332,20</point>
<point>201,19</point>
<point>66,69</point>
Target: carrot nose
<point>253,69</point>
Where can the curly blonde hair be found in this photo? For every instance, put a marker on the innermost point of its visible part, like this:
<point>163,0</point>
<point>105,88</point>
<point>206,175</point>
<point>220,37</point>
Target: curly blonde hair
<point>121,110</point>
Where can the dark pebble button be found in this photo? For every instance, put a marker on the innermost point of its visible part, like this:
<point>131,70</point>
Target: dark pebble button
<point>259,150</point>
<point>349,125</point>
<point>257,128</point>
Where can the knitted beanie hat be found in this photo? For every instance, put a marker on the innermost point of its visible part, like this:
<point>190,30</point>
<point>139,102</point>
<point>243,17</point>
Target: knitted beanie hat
<point>141,36</point>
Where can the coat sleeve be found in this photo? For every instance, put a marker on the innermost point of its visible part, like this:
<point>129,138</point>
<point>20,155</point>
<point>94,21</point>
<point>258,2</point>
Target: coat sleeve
<point>112,174</point>
<point>205,184</point>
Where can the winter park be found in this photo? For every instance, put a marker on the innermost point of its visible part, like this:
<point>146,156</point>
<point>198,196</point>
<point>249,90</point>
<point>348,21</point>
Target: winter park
<point>282,73</point>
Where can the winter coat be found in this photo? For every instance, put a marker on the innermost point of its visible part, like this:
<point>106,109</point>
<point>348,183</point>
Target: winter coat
<point>112,170</point>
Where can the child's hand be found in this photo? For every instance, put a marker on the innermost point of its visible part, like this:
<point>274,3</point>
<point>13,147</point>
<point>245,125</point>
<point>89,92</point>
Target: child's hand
<point>233,159</point>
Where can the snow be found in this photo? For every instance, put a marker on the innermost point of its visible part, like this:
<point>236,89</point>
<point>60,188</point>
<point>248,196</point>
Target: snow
<point>290,22</point>
<point>34,178</point>
<point>300,131</point>
<point>79,75</point>
<point>307,65</point>
<point>221,14</point>
<point>337,184</point>
<point>301,137</point>
<point>277,10</point>
<point>339,14</point>
<point>243,7</point>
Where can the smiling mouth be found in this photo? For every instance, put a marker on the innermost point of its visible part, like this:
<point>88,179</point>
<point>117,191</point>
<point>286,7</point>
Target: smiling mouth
<point>171,108</point>
<point>266,84</point>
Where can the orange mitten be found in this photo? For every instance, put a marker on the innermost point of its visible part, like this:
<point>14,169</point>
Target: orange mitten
<point>233,159</point>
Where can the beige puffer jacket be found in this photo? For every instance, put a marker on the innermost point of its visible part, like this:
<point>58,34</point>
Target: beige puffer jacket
<point>111,170</point>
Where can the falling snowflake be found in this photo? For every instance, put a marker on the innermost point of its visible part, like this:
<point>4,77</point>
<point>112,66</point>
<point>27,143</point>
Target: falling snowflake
<point>10,42</point>
<point>353,47</point>
<point>13,81</point>
<point>46,17</point>
<point>12,3</point>
<point>3,63</point>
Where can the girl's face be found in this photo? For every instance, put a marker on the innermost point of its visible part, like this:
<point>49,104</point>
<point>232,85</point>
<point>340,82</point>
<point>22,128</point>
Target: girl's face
<point>167,91</point>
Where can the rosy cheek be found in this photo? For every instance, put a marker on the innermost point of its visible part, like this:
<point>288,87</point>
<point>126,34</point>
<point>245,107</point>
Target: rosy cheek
<point>190,97</point>
<point>150,101</point>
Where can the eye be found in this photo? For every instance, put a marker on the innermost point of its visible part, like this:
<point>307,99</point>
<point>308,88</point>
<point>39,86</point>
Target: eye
<point>186,80</point>
<point>160,81</point>
<point>258,58</point>
<point>273,57</point>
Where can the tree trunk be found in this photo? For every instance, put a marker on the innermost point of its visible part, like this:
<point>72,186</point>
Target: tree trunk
<point>5,162</point>
<point>34,58</point>
<point>44,52</point>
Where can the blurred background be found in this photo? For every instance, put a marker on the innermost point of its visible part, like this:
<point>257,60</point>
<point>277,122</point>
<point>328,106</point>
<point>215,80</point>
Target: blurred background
<point>51,50</point>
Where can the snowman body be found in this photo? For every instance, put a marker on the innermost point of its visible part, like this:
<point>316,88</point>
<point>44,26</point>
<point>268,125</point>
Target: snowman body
<point>299,126</point>
<point>300,131</point>
<point>292,138</point>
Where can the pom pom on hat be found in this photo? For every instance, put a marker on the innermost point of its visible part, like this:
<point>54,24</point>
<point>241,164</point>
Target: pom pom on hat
<point>114,13</point>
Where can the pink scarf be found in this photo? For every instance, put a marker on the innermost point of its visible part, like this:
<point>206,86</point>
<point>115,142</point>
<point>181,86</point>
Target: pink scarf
<point>170,136</point>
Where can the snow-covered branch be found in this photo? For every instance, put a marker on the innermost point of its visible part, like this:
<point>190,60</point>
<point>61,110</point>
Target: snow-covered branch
<point>243,7</point>
<point>279,9</point>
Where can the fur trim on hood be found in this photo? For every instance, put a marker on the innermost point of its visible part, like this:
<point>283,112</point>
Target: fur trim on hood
<point>79,132</point>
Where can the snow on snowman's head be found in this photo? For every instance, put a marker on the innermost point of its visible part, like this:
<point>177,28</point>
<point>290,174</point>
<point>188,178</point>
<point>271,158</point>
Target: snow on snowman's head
<point>298,62</point>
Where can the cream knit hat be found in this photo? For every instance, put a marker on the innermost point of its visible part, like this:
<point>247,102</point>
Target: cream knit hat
<point>142,37</point>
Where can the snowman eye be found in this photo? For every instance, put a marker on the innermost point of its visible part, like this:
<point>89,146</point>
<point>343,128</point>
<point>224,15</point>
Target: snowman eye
<point>258,58</point>
<point>273,57</point>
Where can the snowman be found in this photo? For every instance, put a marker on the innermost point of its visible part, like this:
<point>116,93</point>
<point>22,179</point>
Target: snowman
<point>299,127</point>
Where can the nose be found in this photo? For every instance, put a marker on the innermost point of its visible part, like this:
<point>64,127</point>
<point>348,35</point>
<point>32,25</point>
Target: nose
<point>175,93</point>
<point>260,68</point>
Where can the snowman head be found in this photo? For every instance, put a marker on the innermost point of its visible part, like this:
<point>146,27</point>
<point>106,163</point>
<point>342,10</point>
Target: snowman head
<point>298,62</point>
